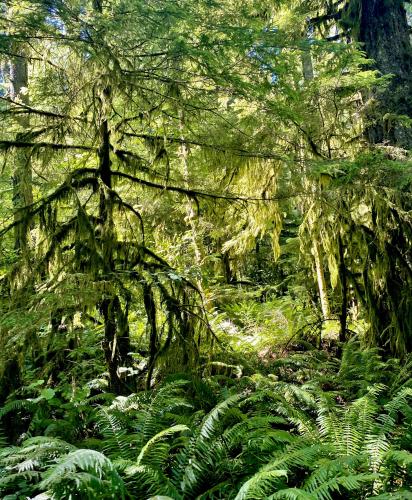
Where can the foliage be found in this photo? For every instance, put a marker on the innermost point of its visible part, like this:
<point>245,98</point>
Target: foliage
<point>205,234</point>
<point>266,438</point>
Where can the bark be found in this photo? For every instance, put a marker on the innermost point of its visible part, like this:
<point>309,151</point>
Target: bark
<point>384,32</point>
<point>390,305</point>
<point>306,57</point>
<point>109,344</point>
<point>227,270</point>
<point>307,66</point>
<point>116,344</point>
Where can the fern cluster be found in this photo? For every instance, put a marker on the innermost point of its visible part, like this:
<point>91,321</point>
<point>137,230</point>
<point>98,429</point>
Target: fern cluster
<point>265,438</point>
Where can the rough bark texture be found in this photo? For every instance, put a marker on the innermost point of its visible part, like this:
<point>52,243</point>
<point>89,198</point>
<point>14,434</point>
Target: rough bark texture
<point>384,32</point>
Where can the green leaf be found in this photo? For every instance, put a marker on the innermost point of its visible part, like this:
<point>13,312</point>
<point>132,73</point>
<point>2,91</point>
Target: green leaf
<point>47,394</point>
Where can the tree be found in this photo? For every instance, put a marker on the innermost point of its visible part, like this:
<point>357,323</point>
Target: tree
<point>382,282</point>
<point>381,28</point>
<point>104,109</point>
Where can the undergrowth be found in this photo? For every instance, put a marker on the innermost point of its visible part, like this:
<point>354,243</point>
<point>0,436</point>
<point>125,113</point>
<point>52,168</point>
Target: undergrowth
<point>314,428</point>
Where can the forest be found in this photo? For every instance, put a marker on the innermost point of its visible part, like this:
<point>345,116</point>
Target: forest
<point>205,249</point>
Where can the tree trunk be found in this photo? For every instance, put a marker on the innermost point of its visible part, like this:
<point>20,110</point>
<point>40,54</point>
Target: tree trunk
<point>151,328</point>
<point>116,343</point>
<point>384,32</point>
<point>22,196</point>
<point>308,75</point>
<point>320,275</point>
<point>344,292</point>
<point>22,173</point>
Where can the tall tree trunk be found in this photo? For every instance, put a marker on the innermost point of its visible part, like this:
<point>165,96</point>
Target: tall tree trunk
<point>22,196</point>
<point>22,173</point>
<point>116,343</point>
<point>308,75</point>
<point>151,328</point>
<point>306,56</point>
<point>320,276</point>
<point>344,292</point>
<point>384,32</point>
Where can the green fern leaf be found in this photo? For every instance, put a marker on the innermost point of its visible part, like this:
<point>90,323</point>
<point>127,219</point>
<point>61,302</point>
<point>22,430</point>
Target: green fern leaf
<point>259,485</point>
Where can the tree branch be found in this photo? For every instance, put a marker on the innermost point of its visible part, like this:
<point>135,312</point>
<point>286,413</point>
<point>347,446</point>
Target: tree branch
<point>192,193</point>
<point>216,147</point>
<point>41,112</point>
<point>23,144</point>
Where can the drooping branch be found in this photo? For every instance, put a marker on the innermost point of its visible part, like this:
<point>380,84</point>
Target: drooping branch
<point>20,107</point>
<point>71,183</point>
<point>5,145</point>
<point>124,204</point>
<point>332,16</point>
<point>217,147</point>
<point>193,193</point>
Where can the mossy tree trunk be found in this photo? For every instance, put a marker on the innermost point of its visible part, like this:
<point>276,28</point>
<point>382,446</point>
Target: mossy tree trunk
<point>22,171</point>
<point>22,196</point>
<point>116,342</point>
<point>384,32</point>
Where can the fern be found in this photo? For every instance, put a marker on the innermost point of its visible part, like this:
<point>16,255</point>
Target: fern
<point>3,439</point>
<point>22,467</point>
<point>354,482</point>
<point>145,480</point>
<point>16,406</point>
<point>260,485</point>
<point>211,421</point>
<point>84,472</point>
<point>292,494</point>
<point>267,439</point>
<point>151,448</point>
<point>117,442</point>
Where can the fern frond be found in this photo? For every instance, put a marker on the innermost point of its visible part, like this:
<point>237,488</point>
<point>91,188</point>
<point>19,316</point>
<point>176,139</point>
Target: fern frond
<point>210,422</point>
<point>349,483</point>
<point>12,478</point>
<point>300,454</point>
<point>3,439</point>
<point>150,446</point>
<point>144,480</point>
<point>292,494</point>
<point>83,465</point>
<point>17,405</point>
<point>327,468</point>
<point>39,448</point>
<point>260,485</point>
<point>401,457</point>
<point>117,442</point>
